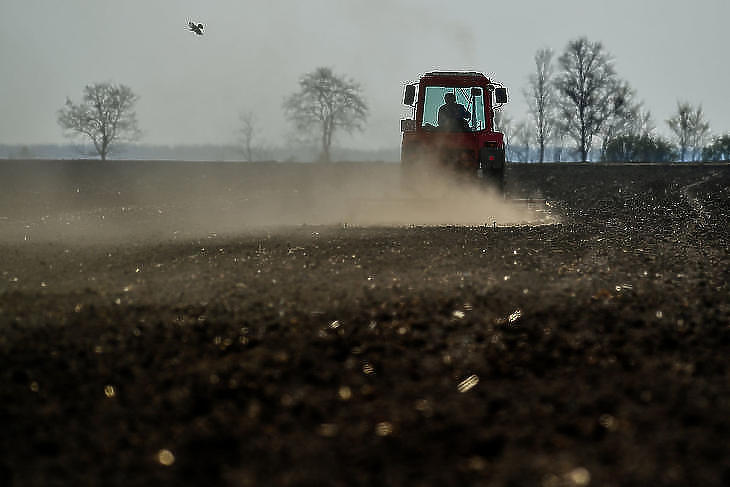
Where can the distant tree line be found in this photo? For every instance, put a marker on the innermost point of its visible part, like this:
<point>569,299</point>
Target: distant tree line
<point>325,104</point>
<point>579,107</point>
<point>296,151</point>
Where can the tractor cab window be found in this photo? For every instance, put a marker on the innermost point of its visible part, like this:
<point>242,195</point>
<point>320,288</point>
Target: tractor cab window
<point>455,109</point>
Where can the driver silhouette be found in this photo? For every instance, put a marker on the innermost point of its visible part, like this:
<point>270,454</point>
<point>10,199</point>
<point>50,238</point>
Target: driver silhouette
<point>453,116</point>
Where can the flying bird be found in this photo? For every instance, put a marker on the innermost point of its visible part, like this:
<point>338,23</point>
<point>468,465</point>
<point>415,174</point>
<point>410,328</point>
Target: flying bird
<point>197,28</point>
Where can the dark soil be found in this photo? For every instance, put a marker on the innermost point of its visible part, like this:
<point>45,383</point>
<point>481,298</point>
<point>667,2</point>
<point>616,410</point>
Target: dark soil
<point>589,352</point>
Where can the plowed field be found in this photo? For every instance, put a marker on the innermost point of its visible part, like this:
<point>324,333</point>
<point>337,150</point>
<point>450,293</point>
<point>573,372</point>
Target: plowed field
<point>279,325</point>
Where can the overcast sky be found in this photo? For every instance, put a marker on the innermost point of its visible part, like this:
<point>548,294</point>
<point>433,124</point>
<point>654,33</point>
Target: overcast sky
<point>253,52</point>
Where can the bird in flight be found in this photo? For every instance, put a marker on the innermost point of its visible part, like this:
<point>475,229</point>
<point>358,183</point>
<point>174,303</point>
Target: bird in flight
<point>197,28</point>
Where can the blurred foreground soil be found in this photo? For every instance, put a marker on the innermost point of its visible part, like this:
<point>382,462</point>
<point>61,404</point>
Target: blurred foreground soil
<point>161,324</point>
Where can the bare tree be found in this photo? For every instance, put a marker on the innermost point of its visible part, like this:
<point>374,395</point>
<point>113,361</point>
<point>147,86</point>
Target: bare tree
<point>558,139</point>
<point>584,89</point>
<point>644,123</point>
<point>523,134</point>
<point>248,135</point>
<point>624,115</point>
<point>106,116</point>
<point>690,130</point>
<point>326,103</point>
<point>637,123</point>
<point>504,124</point>
<point>540,98</point>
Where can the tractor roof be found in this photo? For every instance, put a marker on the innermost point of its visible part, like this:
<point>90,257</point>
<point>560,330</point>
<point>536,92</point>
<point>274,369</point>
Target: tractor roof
<point>474,74</point>
<point>462,76</point>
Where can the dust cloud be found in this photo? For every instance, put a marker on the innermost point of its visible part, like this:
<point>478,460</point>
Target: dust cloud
<point>89,201</point>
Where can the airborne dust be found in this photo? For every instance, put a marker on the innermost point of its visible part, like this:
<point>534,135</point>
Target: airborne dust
<point>92,201</point>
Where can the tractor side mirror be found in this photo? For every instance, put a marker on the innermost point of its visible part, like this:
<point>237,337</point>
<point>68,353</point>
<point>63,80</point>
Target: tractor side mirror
<point>410,95</point>
<point>476,92</point>
<point>500,95</point>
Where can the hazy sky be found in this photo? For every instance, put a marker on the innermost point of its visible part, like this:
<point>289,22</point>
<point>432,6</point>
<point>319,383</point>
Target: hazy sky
<point>253,52</point>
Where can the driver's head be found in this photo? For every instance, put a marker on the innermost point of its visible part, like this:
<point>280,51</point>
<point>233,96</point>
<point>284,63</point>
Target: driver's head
<point>450,98</point>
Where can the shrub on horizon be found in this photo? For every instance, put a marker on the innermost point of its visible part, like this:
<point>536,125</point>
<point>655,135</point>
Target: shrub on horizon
<point>718,150</point>
<point>640,148</point>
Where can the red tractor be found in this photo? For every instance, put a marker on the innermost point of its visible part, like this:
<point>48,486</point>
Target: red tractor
<point>453,127</point>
